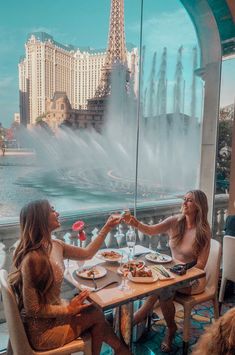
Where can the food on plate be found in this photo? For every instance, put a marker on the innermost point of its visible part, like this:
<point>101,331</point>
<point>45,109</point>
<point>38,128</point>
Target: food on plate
<point>89,272</point>
<point>160,269</point>
<point>133,265</point>
<point>111,254</point>
<point>145,272</point>
<point>157,256</point>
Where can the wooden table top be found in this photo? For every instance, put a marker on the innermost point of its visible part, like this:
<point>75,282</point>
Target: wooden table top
<point>113,296</point>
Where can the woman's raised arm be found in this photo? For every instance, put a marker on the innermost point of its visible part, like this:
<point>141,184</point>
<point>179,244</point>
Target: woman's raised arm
<point>161,227</point>
<point>72,252</point>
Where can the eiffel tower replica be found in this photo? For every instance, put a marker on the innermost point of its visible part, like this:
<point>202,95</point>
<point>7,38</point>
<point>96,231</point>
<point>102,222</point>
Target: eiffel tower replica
<point>116,57</point>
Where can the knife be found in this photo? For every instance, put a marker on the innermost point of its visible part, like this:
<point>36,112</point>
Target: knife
<point>106,285</point>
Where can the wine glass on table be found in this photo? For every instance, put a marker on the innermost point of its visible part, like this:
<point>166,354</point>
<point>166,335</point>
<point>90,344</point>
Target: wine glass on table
<point>130,241</point>
<point>125,271</point>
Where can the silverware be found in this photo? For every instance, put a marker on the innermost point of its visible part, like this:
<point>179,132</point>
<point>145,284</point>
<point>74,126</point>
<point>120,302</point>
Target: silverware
<point>94,282</point>
<point>96,289</point>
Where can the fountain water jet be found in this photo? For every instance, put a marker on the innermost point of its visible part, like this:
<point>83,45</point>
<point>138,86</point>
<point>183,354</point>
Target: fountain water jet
<point>103,166</point>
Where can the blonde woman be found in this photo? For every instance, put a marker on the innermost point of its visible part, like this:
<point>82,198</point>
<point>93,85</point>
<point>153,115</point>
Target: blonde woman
<point>49,321</point>
<point>219,337</point>
<point>189,240</point>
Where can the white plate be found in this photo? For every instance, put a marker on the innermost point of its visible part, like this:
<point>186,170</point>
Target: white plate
<point>120,269</point>
<point>157,269</point>
<point>109,259</point>
<point>143,280</point>
<point>158,258</point>
<point>100,271</point>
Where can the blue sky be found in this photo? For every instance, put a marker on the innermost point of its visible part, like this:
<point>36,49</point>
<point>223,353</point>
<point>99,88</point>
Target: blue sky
<point>83,23</point>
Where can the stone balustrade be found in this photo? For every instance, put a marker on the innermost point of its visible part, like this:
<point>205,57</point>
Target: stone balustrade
<point>94,220</point>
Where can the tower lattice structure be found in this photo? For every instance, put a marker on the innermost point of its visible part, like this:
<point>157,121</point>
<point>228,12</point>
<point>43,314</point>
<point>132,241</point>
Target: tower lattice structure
<point>116,52</point>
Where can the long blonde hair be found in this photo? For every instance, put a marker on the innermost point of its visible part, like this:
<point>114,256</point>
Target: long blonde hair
<point>219,337</point>
<point>202,225</point>
<point>34,235</point>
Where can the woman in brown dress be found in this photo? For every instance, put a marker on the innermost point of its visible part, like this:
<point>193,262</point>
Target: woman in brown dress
<point>38,262</point>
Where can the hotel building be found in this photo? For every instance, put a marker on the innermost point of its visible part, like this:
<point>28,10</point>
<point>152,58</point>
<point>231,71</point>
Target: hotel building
<point>50,67</point>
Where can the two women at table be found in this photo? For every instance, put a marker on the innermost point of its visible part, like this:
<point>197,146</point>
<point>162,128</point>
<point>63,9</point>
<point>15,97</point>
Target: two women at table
<point>189,239</point>
<point>51,322</point>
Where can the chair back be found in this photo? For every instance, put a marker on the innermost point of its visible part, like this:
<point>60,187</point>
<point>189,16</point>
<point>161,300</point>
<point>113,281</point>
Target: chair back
<point>18,337</point>
<point>213,266</point>
<point>229,257</point>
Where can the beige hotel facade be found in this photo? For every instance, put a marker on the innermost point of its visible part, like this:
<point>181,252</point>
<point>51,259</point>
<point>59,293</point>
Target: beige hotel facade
<point>49,67</point>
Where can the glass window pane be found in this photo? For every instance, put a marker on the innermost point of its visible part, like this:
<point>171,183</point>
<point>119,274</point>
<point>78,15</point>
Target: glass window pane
<point>89,162</point>
<point>171,97</point>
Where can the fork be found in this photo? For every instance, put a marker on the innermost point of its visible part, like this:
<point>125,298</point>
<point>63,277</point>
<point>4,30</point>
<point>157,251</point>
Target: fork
<point>93,279</point>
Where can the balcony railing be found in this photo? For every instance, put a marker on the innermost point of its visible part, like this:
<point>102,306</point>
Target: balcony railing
<point>94,220</point>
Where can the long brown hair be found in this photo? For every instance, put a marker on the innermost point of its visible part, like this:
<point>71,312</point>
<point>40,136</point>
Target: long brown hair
<point>34,238</point>
<point>202,225</point>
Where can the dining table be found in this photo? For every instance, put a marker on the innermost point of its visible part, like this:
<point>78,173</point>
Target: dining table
<point>121,299</point>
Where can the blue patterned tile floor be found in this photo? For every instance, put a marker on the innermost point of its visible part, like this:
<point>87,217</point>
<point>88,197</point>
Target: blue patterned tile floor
<point>202,316</point>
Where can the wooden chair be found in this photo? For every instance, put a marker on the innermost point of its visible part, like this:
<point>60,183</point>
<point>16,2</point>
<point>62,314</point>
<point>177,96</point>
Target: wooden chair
<point>210,294</point>
<point>228,264</point>
<point>18,338</point>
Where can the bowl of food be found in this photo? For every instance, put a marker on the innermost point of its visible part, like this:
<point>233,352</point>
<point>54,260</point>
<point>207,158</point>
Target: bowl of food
<point>145,275</point>
<point>131,266</point>
<point>109,255</point>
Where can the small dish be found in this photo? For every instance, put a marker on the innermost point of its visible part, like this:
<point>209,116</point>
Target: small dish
<point>87,273</point>
<point>143,280</point>
<point>158,258</point>
<point>109,255</point>
<point>162,273</point>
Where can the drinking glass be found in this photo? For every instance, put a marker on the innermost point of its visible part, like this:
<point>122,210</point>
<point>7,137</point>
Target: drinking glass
<point>119,235</point>
<point>67,239</point>
<point>130,241</point>
<point>125,273</point>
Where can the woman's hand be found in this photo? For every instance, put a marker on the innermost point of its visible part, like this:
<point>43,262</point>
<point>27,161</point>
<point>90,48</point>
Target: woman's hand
<point>126,216</point>
<point>113,220</point>
<point>129,219</point>
<point>77,304</point>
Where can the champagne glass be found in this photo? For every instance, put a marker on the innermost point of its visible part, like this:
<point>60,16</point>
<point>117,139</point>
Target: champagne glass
<point>67,239</point>
<point>125,273</point>
<point>130,241</point>
<point>119,235</point>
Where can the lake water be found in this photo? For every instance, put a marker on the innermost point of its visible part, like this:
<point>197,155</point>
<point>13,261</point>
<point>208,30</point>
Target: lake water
<point>21,182</point>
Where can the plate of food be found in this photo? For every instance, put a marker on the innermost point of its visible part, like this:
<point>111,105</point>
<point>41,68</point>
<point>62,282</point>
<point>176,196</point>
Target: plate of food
<point>162,273</point>
<point>158,258</point>
<point>145,275</point>
<point>130,266</point>
<point>109,255</point>
<point>95,272</point>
